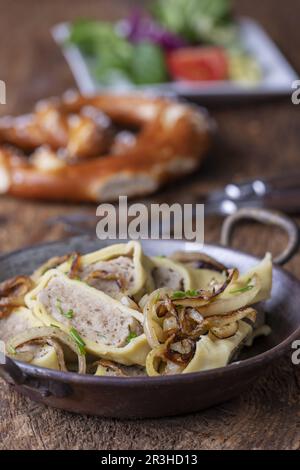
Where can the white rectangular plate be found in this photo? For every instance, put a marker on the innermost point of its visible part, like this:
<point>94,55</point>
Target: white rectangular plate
<point>278,74</point>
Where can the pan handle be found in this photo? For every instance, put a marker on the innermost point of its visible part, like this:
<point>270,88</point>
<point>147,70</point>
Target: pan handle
<point>41,386</point>
<point>266,217</point>
<point>10,372</point>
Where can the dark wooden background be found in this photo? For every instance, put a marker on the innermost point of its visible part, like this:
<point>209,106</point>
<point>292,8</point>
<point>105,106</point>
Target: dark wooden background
<point>254,139</point>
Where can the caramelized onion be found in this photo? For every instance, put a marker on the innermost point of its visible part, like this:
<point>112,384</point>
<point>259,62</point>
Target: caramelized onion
<point>16,286</point>
<point>203,297</point>
<point>106,276</point>
<point>180,350</point>
<point>218,321</point>
<point>152,327</point>
<point>111,366</point>
<point>28,356</point>
<point>75,265</point>
<point>231,302</point>
<point>45,334</point>
<point>12,292</point>
<point>58,351</point>
<point>158,364</point>
<point>189,325</point>
<point>165,307</point>
<point>225,331</point>
<point>170,325</point>
<point>154,359</point>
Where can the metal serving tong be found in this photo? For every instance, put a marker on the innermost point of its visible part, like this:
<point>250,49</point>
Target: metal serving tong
<point>280,193</point>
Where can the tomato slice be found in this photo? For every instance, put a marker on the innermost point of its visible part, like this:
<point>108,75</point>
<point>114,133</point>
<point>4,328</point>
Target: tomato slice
<point>198,64</point>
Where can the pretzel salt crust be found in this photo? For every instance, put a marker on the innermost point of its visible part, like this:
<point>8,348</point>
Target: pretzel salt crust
<point>74,156</point>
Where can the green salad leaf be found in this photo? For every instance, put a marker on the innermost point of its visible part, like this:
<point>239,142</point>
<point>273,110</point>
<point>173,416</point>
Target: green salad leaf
<point>198,20</point>
<point>94,37</point>
<point>113,58</point>
<point>148,64</point>
<point>111,54</point>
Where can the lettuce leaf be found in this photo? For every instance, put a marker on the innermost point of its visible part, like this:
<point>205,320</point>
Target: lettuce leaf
<point>198,20</point>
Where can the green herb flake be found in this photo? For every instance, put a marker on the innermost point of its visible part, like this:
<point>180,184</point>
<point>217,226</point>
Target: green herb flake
<point>241,289</point>
<point>69,313</point>
<point>59,307</point>
<point>54,326</point>
<point>131,336</point>
<point>245,288</point>
<point>179,294</point>
<point>78,340</point>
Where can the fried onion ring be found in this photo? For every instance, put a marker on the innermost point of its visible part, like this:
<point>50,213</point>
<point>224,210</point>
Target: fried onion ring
<point>45,333</point>
<point>12,292</point>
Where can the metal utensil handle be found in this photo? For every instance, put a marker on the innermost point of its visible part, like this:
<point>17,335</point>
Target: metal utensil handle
<point>266,217</point>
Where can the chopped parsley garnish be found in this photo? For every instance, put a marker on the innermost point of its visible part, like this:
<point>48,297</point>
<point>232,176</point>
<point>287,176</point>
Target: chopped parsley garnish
<point>78,340</point>
<point>180,294</point>
<point>240,290</point>
<point>68,314</point>
<point>131,336</point>
<point>54,326</point>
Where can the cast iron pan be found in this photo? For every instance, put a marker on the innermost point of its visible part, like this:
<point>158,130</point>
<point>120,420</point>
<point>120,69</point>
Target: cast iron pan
<point>140,397</point>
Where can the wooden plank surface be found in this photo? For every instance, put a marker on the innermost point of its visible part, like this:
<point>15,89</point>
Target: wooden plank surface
<point>254,139</point>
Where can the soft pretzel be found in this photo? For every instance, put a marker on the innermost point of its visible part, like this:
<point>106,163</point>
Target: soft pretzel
<point>69,149</point>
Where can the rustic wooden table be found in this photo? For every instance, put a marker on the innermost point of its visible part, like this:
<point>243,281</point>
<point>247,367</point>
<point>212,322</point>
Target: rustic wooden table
<point>254,139</point>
